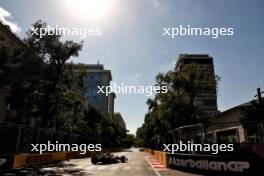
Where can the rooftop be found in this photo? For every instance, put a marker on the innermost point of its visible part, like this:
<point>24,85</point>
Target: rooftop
<point>197,58</point>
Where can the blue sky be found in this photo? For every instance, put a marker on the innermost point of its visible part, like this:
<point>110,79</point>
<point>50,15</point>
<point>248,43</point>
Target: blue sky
<point>133,47</point>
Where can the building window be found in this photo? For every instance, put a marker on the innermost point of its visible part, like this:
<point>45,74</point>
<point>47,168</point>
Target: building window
<point>228,136</point>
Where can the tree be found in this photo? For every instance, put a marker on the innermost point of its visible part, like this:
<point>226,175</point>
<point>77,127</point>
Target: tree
<point>37,75</point>
<point>179,106</point>
<point>46,87</point>
<point>54,54</point>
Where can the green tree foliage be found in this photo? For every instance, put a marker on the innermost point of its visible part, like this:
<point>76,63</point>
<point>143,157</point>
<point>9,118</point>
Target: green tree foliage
<point>179,106</point>
<point>46,87</point>
<point>37,75</point>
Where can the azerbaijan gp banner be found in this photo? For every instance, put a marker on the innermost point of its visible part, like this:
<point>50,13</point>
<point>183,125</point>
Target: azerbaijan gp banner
<point>216,165</point>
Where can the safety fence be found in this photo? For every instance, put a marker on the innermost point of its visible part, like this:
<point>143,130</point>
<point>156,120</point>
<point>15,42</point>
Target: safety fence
<point>16,148</point>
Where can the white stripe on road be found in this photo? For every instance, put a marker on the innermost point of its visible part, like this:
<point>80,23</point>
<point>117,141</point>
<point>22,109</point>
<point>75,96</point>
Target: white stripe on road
<point>156,172</point>
<point>102,167</point>
<point>89,167</point>
<point>114,167</point>
<point>126,167</point>
<point>84,166</point>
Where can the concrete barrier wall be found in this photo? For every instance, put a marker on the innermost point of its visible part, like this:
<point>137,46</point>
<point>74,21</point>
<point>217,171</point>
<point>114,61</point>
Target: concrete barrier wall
<point>160,156</point>
<point>150,151</point>
<point>21,160</point>
<point>10,161</point>
<point>211,164</point>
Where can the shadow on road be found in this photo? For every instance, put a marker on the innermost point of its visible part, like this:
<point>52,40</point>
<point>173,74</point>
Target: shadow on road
<point>53,169</point>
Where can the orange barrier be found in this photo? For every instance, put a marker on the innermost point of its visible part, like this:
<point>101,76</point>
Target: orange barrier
<point>21,160</point>
<point>160,156</point>
<point>150,151</point>
<point>28,159</point>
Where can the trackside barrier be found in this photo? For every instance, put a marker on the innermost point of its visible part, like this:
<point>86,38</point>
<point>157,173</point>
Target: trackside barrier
<point>160,156</point>
<point>211,164</point>
<point>10,161</point>
<point>21,160</point>
<point>150,151</point>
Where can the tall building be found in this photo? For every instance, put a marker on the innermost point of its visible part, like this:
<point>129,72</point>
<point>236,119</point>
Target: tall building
<point>111,104</point>
<point>8,38</point>
<point>119,121</point>
<point>10,41</point>
<point>207,99</point>
<point>95,75</point>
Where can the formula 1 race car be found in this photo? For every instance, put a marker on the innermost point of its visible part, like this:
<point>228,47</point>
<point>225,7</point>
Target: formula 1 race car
<point>107,158</point>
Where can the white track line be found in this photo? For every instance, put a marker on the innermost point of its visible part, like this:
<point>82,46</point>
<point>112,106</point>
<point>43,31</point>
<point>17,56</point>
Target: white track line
<point>102,167</point>
<point>114,167</point>
<point>126,168</point>
<point>157,173</point>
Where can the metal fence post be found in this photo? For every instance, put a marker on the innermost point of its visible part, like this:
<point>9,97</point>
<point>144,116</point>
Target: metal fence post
<point>38,136</point>
<point>18,141</point>
<point>70,136</point>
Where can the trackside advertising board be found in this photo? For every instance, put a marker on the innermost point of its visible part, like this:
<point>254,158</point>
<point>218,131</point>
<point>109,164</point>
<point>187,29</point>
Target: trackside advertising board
<point>216,165</point>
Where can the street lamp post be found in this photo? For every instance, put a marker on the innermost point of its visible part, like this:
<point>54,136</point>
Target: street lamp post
<point>259,92</point>
<point>260,101</point>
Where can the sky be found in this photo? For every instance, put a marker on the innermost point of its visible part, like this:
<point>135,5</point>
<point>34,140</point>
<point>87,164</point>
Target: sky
<point>133,47</point>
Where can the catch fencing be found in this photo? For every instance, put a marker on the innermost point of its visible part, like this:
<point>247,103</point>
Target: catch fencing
<point>17,138</point>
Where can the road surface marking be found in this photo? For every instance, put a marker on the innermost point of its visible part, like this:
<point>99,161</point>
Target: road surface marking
<point>114,167</point>
<point>89,168</point>
<point>102,167</point>
<point>156,164</point>
<point>156,172</point>
<point>126,167</point>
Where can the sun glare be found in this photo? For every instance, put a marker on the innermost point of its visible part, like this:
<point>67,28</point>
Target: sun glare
<point>90,9</point>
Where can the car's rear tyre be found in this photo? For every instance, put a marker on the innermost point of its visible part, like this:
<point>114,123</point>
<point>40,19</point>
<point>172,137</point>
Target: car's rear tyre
<point>123,159</point>
<point>94,160</point>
